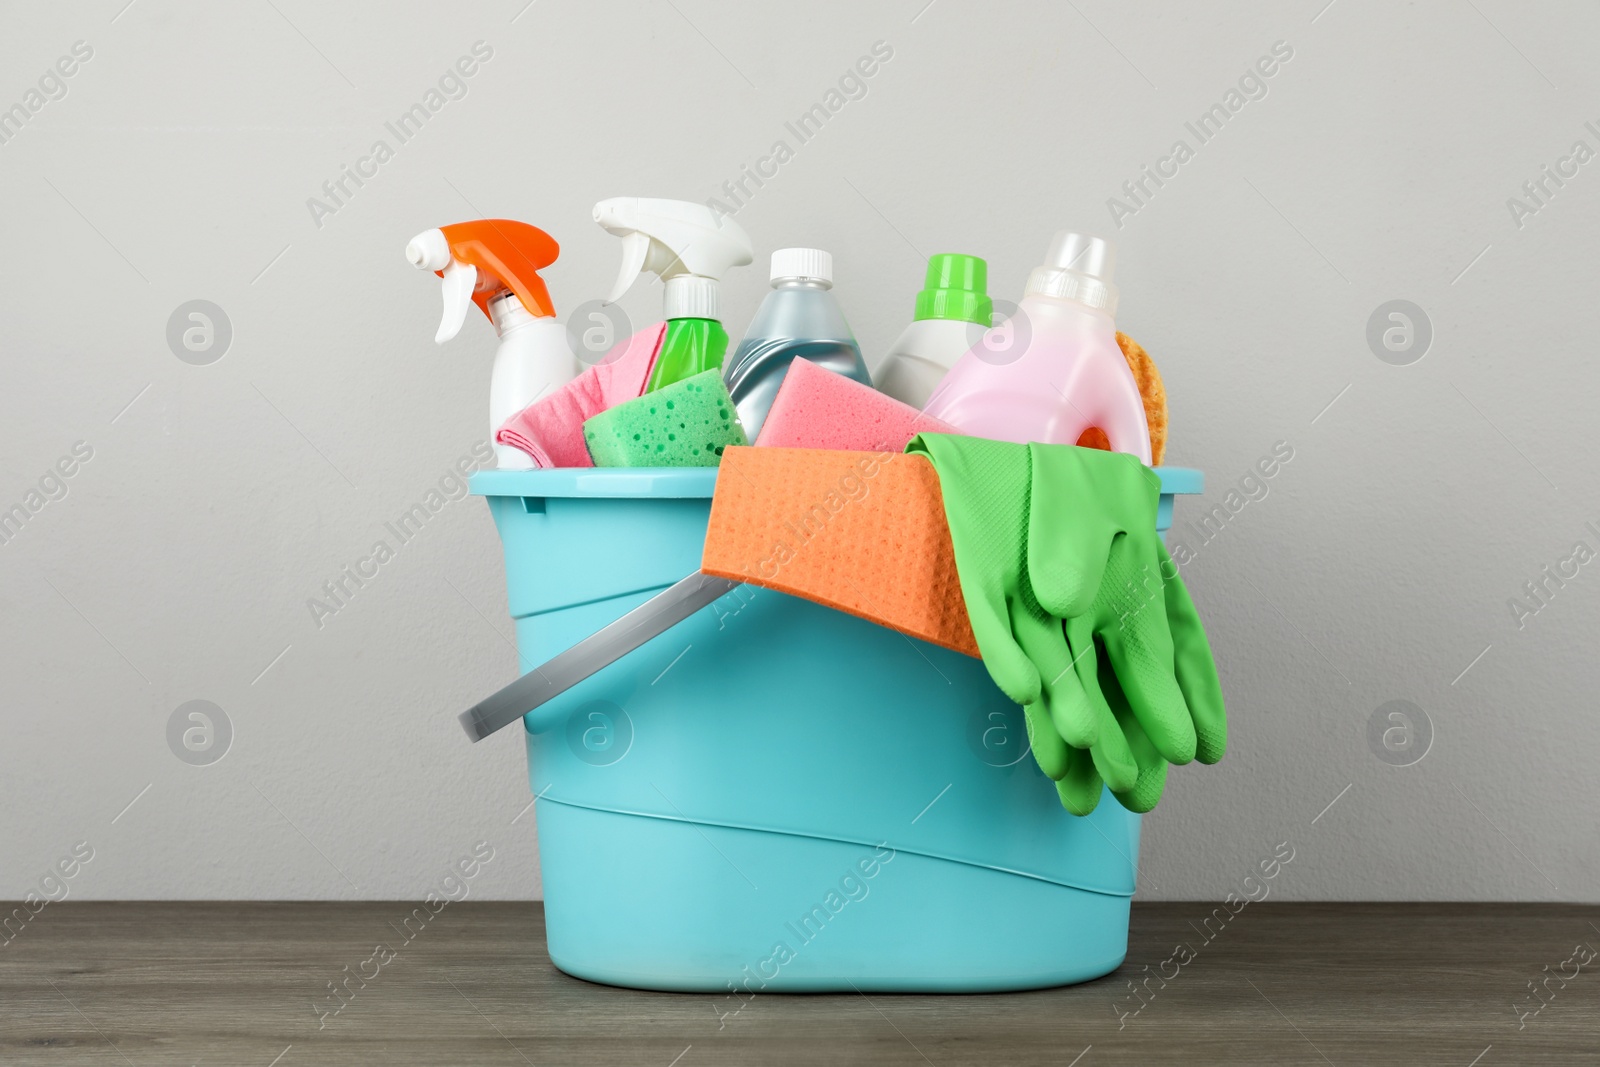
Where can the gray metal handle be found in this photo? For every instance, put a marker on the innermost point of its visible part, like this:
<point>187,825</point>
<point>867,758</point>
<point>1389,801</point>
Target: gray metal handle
<point>594,653</point>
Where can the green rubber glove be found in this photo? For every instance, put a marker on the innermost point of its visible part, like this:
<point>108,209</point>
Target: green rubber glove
<point>1141,622</point>
<point>1069,543</point>
<point>1116,659</point>
<point>1080,786</point>
<point>1127,495</point>
<point>986,500</point>
<point>1142,656</point>
<point>1143,631</point>
<point>1195,666</point>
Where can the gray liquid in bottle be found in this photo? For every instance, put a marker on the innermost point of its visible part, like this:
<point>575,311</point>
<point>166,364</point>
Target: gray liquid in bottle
<point>768,362</point>
<point>797,320</point>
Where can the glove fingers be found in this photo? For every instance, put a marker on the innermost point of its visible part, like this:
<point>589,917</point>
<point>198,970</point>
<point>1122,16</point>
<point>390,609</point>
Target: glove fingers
<point>1049,751</point>
<point>1112,758</point>
<point>1139,647</point>
<point>1110,751</point>
<point>1195,667</point>
<point>1074,717</point>
<point>1067,540</point>
<point>989,612</point>
<point>1082,499</point>
<point>1042,639</point>
<point>1080,787</point>
<point>1144,791</point>
<point>993,481</point>
<point>1007,662</point>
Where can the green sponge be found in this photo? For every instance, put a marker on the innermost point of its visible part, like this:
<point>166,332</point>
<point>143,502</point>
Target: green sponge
<point>685,424</point>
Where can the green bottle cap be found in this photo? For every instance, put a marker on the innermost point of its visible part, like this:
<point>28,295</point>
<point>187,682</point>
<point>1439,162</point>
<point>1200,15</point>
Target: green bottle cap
<point>956,288</point>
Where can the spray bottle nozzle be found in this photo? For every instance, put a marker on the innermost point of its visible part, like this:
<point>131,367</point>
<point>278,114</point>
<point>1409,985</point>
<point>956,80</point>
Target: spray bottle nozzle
<point>482,260</point>
<point>430,250</point>
<point>683,243</point>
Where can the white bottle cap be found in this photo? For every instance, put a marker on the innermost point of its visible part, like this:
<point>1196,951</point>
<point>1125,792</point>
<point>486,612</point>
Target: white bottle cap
<point>1077,267</point>
<point>808,264</point>
<point>507,313</point>
<point>689,296</point>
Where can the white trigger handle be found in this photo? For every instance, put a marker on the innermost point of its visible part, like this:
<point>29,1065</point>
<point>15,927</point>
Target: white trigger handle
<point>460,279</point>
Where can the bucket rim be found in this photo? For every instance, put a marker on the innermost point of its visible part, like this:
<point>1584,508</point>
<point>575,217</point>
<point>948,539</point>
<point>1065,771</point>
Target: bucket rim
<point>684,482</point>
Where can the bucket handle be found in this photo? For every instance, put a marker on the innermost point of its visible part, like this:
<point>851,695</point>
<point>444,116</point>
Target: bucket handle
<point>588,657</point>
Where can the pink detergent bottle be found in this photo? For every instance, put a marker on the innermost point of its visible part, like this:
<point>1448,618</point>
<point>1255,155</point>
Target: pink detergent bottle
<point>1053,369</point>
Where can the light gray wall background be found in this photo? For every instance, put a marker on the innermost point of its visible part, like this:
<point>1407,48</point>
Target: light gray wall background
<point>219,498</point>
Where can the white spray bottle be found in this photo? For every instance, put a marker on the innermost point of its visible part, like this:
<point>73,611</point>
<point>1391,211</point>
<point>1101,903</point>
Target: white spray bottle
<point>690,248</point>
<point>495,263</point>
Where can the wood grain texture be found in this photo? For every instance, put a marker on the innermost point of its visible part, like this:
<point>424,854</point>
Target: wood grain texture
<point>1279,984</point>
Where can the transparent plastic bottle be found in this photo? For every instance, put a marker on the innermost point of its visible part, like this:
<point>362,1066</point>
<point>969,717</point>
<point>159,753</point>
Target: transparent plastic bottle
<point>799,319</point>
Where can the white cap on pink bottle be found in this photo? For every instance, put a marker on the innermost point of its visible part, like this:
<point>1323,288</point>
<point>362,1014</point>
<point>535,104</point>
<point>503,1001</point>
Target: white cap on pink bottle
<point>1078,267</point>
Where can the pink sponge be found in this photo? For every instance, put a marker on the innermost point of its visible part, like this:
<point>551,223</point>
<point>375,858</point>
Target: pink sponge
<point>816,408</point>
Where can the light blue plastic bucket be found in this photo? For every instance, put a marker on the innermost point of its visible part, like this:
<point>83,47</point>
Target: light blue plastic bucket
<point>776,796</point>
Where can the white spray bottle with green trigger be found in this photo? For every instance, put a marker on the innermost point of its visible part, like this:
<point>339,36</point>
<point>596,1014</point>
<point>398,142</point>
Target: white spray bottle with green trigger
<point>690,247</point>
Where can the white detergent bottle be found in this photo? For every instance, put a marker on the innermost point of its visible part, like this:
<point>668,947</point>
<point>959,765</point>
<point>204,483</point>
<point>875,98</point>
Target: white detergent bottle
<point>495,263</point>
<point>953,311</point>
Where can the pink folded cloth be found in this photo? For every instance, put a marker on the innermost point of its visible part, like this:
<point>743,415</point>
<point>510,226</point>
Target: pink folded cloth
<point>551,428</point>
<point>817,408</point>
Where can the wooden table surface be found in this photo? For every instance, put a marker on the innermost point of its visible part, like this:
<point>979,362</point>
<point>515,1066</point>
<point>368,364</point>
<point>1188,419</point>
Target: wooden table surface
<point>1282,984</point>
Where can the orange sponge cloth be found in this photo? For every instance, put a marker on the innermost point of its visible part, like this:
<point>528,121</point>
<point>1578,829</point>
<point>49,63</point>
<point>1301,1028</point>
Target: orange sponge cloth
<point>862,532</point>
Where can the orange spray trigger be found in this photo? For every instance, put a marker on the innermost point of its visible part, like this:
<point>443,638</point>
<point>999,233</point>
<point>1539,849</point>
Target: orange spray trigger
<point>508,255</point>
<point>485,258</point>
